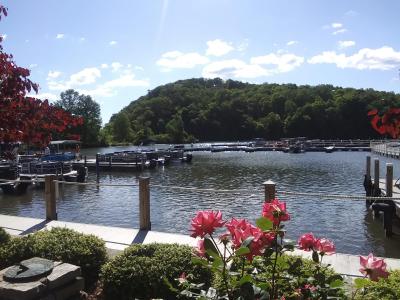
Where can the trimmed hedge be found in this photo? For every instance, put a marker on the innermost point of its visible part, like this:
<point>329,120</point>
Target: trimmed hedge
<point>4,236</point>
<point>140,272</point>
<point>384,289</point>
<point>59,244</point>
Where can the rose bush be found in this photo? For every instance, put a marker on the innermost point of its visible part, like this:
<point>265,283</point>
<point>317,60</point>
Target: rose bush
<point>249,262</point>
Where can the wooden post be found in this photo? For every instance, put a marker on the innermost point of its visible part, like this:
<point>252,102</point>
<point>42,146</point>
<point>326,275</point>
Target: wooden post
<point>97,167</point>
<point>376,173</point>
<point>85,162</point>
<point>144,203</point>
<point>50,197</point>
<point>389,180</point>
<point>368,168</point>
<point>270,188</point>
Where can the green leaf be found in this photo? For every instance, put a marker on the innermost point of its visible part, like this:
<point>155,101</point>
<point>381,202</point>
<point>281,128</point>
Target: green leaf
<point>264,223</point>
<point>217,263</point>
<point>336,283</point>
<point>360,283</point>
<point>199,261</point>
<point>210,248</point>
<point>247,241</point>
<point>246,278</point>
<point>242,251</point>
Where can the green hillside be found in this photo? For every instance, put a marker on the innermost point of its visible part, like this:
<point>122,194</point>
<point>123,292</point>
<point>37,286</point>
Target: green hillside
<point>217,110</point>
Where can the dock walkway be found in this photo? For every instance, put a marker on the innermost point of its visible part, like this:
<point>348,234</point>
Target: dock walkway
<point>117,239</point>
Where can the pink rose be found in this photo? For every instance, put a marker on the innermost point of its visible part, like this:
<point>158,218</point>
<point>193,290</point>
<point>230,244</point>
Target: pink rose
<point>373,267</point>
<point>240,230</point>
<point>200,251</point>
<point>275,211</point>
<point>206,222</point>
<point>324,245</point>
<point>307,242</point>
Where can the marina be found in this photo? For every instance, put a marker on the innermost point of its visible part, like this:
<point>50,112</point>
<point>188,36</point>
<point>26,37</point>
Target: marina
<point>230,182</point>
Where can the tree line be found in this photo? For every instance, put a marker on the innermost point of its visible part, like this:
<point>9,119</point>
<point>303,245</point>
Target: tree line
<point>216,110</point>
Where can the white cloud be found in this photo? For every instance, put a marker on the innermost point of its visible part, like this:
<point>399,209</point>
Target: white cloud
<point>140,68</point>
<point>233,68</point>
<point>112,43</point>
<point>110,88</point>
<point>53,74</point>
<point>116,66</point>
<point>104,66</point>
<point>336,25</point>
<point>82,39</point>
<point>179,60</point>
<point>346,44</point>
<point>86,76</point>
<point>83,77</point>
<point>290,43</point>
<point>339,31</point>
<point>384,58</point>
<point>283,62</point>
<point>3,36</point>
<point>60,35</point>
<point>218,47</point>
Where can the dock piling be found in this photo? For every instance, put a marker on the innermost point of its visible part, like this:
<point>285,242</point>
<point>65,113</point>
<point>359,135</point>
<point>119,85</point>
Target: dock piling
<point>50,197</point>
<point>389,180</point>
<point>376,173</point>
<point>368,168</point>
<point>97,167</point>
<point>270,189</point>
<point>144,203</point>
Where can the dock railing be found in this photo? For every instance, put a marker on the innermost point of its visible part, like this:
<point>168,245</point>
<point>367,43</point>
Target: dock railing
<point>386,148</point>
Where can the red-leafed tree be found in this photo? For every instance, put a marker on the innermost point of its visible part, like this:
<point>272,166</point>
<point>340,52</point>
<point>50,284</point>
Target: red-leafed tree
<point>24,118</point>
<point>388,123</point>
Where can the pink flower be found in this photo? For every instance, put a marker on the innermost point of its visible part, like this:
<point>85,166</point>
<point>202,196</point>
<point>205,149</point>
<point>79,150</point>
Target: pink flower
<point>307,242</point>
<point>200,251</point>
<point>275,211</point>
<point>324,245</point>
<point>373,267</point>
<point>240,230</point>
<point>182,278</point>
<point>206,222</point>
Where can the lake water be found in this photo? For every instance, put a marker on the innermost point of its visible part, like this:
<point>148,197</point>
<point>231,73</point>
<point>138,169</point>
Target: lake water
<point>346,222</point>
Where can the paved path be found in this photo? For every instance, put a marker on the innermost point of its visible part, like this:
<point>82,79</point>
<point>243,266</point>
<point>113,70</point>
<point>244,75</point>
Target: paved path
<point>117,239</point>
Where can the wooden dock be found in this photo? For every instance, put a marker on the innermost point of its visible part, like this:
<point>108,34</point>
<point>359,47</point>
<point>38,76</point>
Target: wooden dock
<point>386,148</point>
<point>117,239</point>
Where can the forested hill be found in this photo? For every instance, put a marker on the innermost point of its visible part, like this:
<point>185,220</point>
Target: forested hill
<point>217,110</point>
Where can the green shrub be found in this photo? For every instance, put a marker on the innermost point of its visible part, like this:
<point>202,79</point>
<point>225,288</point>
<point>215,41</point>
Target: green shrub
<point>4,236</point>
<point>140,272</point>
<point>59,244</point>
<point>384,289</point>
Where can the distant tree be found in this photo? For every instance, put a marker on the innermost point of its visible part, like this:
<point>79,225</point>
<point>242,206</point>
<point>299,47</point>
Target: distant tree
<point>88,109</point>
<point>121,128</point>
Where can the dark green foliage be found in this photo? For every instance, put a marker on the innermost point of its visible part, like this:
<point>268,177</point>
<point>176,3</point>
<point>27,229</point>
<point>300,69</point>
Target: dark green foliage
<point>4,236</point>
<point>89,110</point>
<point>213,109</point>
<point>59,244</point>
<point>140,272</point>
<point>384,289</point>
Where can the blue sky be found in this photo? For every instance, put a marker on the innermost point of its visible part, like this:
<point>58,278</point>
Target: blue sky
<point>117,50</point>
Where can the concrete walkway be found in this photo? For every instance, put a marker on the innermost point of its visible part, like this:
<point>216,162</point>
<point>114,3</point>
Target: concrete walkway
<point>118,239</point>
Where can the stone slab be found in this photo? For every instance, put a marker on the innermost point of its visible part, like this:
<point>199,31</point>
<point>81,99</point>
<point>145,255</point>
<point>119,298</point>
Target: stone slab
<point>70,290</point>
<point>20,291</point>
<point>62,274</point>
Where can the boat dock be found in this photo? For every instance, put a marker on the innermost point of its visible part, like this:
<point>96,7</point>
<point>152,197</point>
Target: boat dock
<point>117,239</point>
